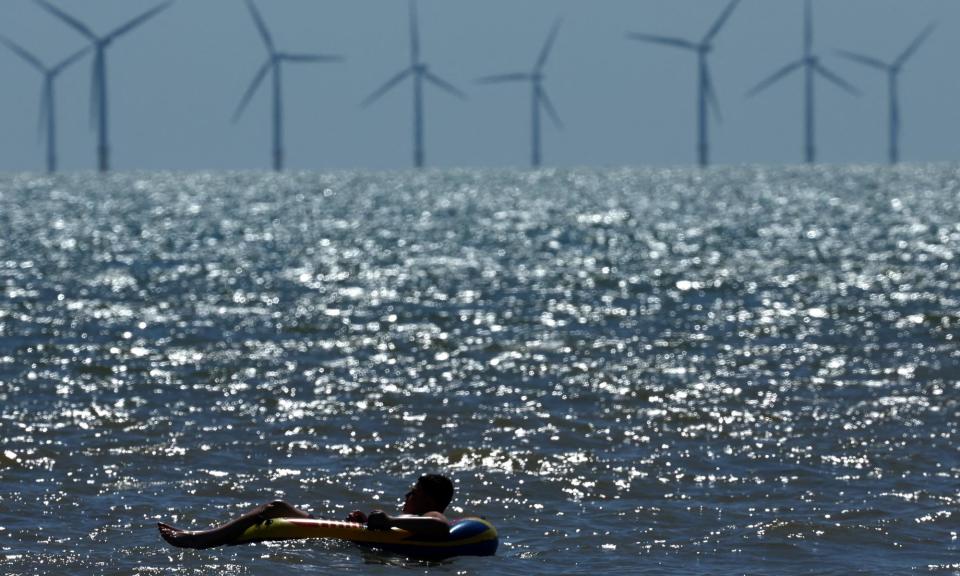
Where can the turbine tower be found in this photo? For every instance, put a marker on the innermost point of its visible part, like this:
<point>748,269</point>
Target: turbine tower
<point>540,99</point>
<point>706,94</point>
<point>98,104</point>
<point>273,64</point>
<point>812,67</point>
<point>420,72</point>
<point>893,76</point>
<point>48,117</point>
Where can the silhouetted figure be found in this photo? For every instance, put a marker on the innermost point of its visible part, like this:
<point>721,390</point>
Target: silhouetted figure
<point>422,514</point>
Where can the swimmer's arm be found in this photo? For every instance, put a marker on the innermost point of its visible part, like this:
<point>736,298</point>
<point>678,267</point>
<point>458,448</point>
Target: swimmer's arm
<point>430,525</point>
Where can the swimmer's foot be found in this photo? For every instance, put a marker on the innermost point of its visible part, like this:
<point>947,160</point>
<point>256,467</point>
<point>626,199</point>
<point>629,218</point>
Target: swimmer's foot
<point>186,539</point>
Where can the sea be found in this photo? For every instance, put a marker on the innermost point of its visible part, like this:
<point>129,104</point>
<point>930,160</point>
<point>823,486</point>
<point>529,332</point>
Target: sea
<point>741,370</point>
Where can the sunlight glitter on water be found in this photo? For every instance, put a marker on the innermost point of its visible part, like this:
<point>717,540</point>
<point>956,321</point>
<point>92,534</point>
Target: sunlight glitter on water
<point>729,371</point>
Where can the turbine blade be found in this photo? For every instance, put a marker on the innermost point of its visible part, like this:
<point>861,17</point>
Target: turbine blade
<point>414,34</point>
<point>22,52</point>
<point>712,99</point>
<point>551,111</point>
<point>917,42</point>
<point>261,26</point>
<point>440,83</point>
<point>836,79</point>
<point>720,21</point>
<point>373,97</point>
<point>70,20</point>
<point>775,77</point>
<point>548,45</point>
<point>120,31</point>
<point>863,59</point>
<point>665,40</point>
<point>311,58</point>
<point>257,80</point>
<point>498,78</point>
<point>70,60</point>
<point>807,28</point>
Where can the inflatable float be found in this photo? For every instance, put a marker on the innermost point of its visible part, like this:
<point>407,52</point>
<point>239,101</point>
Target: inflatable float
<point>468,536</point>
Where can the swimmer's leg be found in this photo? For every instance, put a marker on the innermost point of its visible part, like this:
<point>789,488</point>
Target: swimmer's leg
<point>227,533</point>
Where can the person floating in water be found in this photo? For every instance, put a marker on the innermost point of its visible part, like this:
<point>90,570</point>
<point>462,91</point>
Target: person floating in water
<point>422,515</point>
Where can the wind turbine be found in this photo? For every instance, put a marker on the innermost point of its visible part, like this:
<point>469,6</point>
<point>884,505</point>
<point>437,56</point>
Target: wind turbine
<point>540,99</point>
<point>420,72</point>
<point>273,64</point>
<point>706,94</point>
<point>48,118</point>
<point>893,76</point>
<point>98,103</point>
<point>812,67</point>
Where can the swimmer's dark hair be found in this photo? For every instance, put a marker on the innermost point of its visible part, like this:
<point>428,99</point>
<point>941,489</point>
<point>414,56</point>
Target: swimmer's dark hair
<point>439,487</point>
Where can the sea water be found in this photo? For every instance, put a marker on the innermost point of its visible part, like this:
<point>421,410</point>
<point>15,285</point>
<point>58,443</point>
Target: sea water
<point>729,371</point>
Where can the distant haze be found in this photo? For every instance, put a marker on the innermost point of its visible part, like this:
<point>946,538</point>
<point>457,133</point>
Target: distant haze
<point>175,82</point>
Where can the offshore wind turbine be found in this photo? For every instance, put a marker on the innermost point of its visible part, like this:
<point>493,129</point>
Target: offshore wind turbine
<point>420,72</point>
<point>540,99</point>
<point>98,103</point>
<point>812,67</point>
<point>893,75</point>
<point>48,117</point>
<point>706,93</point>
<point>273,64</point>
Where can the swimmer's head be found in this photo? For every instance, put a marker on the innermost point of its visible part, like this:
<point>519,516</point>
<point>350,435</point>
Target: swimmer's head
<point>431,493</point>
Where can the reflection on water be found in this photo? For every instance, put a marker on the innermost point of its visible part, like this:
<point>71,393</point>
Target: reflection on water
<point>729,371</point>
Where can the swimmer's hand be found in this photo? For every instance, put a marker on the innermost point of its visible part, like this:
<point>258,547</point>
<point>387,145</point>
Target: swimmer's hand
<point>357,516</point>
<point>378,520</point>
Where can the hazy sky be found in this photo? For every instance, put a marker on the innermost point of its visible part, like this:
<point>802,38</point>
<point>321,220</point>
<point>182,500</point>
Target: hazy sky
<point>175,82</point>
